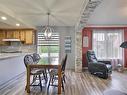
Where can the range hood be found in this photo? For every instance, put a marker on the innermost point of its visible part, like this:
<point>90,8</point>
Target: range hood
<point>11,40</point>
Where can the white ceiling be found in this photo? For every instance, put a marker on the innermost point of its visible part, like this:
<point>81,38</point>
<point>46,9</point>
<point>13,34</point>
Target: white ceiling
<point>31,13</point>
<point>109,13</point>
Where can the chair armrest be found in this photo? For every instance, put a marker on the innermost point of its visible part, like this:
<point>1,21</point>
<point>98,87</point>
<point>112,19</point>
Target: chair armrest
<point>106,62</point>
<point>97,65</point>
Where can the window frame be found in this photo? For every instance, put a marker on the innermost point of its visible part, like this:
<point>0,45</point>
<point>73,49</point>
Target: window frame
<point>105,31</point>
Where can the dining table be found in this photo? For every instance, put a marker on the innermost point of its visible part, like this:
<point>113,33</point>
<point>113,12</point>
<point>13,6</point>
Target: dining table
<point>42,65</point>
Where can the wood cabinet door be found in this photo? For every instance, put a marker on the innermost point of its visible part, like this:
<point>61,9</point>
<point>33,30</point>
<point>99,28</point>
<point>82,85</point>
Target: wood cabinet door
<point>22,35</point>
<point>2,36</point>
<point>9,34</point>
<point>29,37</point>
<point>16,34</point>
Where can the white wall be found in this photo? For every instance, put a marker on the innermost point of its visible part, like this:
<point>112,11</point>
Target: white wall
<point>66,31</point>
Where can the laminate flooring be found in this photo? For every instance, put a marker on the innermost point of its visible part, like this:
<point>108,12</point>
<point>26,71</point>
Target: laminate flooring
<point>76,84</point>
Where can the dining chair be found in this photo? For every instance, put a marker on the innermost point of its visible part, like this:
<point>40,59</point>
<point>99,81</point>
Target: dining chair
<point>36,58</point>
<point>36,73</point>
<point>54,74</point>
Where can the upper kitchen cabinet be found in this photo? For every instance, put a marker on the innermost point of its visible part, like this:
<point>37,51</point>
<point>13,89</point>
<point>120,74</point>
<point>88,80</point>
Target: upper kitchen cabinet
<point>16,34</point>
<point>2,36</point>
<point>22,35</point>
<point>9,34</point>
<point>26,36</point>
<point>29,37</point>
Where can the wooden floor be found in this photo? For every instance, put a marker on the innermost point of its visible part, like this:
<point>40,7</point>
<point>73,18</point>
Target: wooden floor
<point>76,84</point>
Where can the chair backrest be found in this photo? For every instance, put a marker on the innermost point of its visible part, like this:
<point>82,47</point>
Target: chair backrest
<point>28,59</point>
<point>91,57</point>
<point>64,63</point>
<point>36,57</point>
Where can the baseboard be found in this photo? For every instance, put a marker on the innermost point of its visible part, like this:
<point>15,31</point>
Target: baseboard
<point>125,68</point>
<point>84,68</point>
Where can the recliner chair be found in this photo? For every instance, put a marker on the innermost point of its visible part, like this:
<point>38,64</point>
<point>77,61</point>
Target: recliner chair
<point>99,68</point>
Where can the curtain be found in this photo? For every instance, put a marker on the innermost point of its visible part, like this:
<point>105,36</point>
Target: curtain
<point>106,44</point>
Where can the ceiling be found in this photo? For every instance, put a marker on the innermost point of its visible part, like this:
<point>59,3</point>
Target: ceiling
<point>109,13</point>
<point>31,13</point>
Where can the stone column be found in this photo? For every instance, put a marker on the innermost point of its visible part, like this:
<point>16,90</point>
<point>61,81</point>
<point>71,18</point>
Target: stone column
<point>78,52</point>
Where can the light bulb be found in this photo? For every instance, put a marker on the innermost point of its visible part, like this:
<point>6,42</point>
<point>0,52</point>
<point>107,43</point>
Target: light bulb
<point>49,35</point>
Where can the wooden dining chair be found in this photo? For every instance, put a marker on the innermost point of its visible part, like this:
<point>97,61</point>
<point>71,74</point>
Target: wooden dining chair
<point>54,74</point>
<point>36,73</point>
<point>36,58</point>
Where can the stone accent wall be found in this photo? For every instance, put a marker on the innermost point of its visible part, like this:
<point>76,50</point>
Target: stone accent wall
<point>78,57</point>
<point>22,48</point>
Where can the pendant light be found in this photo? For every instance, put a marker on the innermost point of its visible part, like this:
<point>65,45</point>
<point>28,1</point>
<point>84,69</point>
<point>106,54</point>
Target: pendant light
<point>48,29</point>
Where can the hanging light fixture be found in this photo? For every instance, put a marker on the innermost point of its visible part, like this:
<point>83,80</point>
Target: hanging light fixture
<point>47,29</point>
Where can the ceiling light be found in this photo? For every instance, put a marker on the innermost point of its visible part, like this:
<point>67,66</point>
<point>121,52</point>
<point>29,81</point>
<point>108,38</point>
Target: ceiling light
<point>3,18</point>
<point>17,24</point>
<point>47,30</point>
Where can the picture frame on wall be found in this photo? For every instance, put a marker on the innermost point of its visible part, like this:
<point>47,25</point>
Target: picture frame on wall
<point>85,41</point>
<point>67,44</point>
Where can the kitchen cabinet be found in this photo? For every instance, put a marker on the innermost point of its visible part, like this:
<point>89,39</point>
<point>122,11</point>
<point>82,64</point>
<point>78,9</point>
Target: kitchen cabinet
<point>22,35</point>
<point>9,34</point>
<point>26,36</point>
<point>16,34</point>
<point>2,36</point>
<point>29,37</point>
<point>12,34</point>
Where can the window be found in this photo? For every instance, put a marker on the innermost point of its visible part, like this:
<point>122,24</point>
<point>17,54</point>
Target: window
<point>106,43</point>
<point>48,48</point>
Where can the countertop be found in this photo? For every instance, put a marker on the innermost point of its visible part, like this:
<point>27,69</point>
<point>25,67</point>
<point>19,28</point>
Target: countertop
<point>11,55</point>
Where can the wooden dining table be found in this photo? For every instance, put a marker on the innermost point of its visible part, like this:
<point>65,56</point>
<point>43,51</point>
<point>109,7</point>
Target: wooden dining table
<point>45,66</point>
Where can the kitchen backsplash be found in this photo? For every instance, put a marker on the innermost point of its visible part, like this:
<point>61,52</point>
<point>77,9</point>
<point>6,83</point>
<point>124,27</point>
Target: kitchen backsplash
<point>18,49</point>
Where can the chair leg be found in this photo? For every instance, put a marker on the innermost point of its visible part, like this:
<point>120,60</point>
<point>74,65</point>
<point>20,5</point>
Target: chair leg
<point>49,81</point>
<point>45,76</point>
<point>34,78</point>
<point>64,78</point>
<point>62,84</point>
<point>40,82</point>
<point>52,79</point>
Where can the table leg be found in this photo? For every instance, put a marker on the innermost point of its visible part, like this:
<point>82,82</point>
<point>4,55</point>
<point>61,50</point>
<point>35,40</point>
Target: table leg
<point>59,79</point>
<point>28,79</point>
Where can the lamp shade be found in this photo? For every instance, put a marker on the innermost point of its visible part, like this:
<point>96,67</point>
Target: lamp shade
<point>124,45</point>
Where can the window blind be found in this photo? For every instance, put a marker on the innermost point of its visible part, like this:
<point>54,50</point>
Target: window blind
<point>53,41</point>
